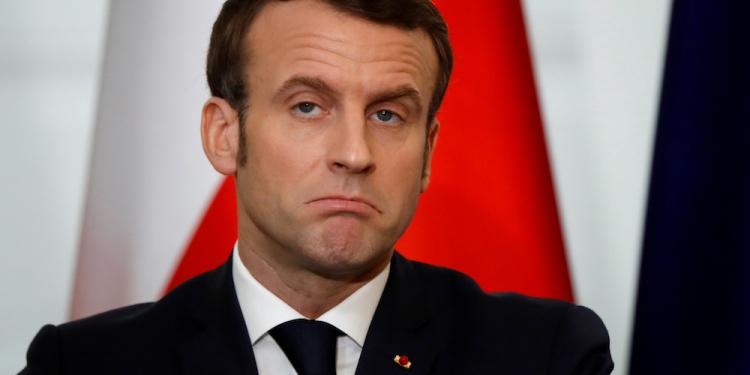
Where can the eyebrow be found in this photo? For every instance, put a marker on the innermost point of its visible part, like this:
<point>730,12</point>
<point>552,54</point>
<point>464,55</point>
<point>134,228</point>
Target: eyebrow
<point>295,81</point>
<point>400,92</point>
<point>318,84</point>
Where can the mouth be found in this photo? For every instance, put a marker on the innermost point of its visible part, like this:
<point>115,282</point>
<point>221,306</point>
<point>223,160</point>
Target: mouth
<point>340,203</point>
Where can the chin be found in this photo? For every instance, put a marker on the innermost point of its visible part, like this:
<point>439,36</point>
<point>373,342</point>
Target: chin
<point>345,246</point>
<point>345,258</point>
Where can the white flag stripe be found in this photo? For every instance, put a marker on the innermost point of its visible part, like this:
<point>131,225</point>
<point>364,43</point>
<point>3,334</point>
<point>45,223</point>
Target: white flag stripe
<point>150,182</point>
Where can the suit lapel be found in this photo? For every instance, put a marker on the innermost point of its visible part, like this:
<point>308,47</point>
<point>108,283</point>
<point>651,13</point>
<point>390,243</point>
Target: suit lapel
<point>222,344</point>
<point>395,326</point>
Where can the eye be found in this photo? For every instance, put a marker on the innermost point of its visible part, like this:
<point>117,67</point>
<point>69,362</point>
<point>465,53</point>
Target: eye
<point>386,116</point>
<point>307,108</point>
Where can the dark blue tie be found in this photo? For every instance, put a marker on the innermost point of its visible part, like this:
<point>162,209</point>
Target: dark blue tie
<point>310,345</point>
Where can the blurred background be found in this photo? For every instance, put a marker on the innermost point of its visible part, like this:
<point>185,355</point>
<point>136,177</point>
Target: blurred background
<point>598,68</point>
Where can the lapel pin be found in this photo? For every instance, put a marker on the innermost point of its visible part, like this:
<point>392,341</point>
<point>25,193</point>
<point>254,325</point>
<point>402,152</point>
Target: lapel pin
<point>402,361</point>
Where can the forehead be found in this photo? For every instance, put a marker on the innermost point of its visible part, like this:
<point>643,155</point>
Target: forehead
<point>313,36</point>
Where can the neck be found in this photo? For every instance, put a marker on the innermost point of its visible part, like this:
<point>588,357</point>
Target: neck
<point>308,292</point>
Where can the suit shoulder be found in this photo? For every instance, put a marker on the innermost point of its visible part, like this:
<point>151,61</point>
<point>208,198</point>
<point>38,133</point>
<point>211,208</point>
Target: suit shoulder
<point>111,317</point>
<point>107,342</point>
<point>530,307</point>
<point>444,279</point>
<point>449,283</point>
<point>541,335</point>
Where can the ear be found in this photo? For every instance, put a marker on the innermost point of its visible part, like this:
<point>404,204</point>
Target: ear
<point>220,134</point>
<point>432,137</point>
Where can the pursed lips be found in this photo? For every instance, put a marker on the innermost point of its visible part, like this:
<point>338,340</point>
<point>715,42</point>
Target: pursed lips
<point>344,204</point>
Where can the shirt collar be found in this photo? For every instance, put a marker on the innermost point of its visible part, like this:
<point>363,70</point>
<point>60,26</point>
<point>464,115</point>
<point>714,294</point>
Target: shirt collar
<point>262,310</point>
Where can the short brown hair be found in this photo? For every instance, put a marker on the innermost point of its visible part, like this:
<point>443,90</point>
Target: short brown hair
<point>227,57</point>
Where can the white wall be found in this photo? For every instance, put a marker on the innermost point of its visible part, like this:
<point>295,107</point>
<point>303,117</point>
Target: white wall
<point>49,61</point>
<point>598,66</point>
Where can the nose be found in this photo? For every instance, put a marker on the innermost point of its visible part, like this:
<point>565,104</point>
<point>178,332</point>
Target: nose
<point>349,148</point>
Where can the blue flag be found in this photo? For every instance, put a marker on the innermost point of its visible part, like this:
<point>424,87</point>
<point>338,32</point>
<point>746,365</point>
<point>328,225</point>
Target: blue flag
<point>693,307</point>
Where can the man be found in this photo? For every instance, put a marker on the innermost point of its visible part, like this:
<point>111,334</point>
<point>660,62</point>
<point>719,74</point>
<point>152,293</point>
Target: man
<point>325,113</point>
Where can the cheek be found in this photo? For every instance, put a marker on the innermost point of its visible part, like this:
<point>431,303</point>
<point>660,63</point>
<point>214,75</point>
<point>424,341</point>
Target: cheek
<point>280,161</point>
<point>404,178</point>
<point>404,191</point>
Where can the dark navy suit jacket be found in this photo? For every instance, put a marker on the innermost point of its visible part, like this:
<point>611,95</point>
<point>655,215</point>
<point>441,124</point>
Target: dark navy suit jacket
<point>438,317</point>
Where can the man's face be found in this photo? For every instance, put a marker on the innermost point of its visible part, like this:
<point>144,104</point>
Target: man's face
<point>335,136</point>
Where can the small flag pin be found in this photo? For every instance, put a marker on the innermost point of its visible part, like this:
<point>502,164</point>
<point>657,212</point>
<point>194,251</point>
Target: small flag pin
<point>402,361</point>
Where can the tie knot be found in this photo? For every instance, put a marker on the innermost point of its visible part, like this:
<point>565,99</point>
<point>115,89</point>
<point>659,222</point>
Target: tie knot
<point>310,345</point>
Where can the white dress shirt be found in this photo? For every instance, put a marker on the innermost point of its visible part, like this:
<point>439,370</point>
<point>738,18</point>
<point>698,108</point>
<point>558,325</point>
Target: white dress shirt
<point>262,311</point>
